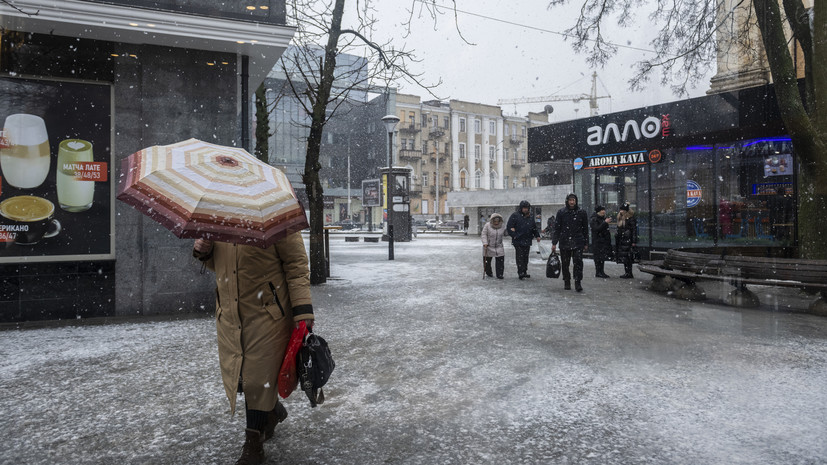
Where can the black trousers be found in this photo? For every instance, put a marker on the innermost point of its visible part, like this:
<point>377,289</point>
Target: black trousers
<point>499,264</point>
<point>566,257</point>
<point>522,258</point>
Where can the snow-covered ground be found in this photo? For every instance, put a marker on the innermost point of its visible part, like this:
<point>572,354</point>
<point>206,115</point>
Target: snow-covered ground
<point>437,366</point>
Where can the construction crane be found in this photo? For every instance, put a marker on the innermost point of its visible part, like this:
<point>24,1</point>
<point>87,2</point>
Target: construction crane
<point>576,98</point>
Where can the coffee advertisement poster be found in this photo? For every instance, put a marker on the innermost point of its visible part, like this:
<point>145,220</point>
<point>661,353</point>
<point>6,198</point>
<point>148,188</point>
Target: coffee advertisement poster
<point>56,187</point>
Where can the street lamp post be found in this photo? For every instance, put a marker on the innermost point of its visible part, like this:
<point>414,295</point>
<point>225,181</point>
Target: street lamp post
<point>390,122</point>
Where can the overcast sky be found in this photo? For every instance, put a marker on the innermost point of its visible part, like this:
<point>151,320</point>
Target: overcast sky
<point>518,52</point>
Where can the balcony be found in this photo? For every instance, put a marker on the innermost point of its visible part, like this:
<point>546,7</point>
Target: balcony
<point>410,154</point>
<point>442,190</point>
<point>408,127</point>
<point>441,155</point>
<point>517,163</point>
<point>415,190</point>
<point>516,139</point>
<point>436,131</point>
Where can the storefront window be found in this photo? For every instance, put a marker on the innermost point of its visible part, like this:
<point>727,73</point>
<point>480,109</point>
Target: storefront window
<point>756,195</point>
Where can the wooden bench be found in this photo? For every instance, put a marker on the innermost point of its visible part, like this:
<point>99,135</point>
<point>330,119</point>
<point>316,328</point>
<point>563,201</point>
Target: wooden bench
<point>680,271</point>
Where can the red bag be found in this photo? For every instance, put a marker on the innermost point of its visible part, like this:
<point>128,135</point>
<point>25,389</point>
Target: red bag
<point>288,380</point>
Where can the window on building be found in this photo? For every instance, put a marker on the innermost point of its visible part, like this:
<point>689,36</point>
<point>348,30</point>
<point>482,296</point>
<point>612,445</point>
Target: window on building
<point>477,126</point>
<point>507,130</point>
<point>522,130</point>
<point>492,154</point>
<point>477,152</point>
<point>424,146</point>
<point>425,207</point>
<point>492,127</point>
<point>478,179</point>
<point>462,150</point>
<point>411,117</point>
<point>425,179</point>
<point>462,175</point>
<point>462,125</point>
<point>446,182</point>
<point>505,182</point>
<point>446,122</point>
<point>493,181</point>
<point>515,183</point>
<point>424,120</point>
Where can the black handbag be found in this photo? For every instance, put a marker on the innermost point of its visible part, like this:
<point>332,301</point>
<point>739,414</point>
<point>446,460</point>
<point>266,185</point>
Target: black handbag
<point>314,364</point>
<point>553,266</point>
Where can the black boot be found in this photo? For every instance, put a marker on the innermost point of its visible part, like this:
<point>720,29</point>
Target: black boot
<point>253,451</point>
<point>578,287</point>
<point>274,417</point>
<point>567,285</point>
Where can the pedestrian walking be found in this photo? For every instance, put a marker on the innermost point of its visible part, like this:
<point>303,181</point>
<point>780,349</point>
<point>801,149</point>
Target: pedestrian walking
<point>626,238</point>
<point>601,240</point>
<point>571,231</point>
<point>261,294</point>
<point>522,229</point>
<point>492,242</point>
<point>466,221</point>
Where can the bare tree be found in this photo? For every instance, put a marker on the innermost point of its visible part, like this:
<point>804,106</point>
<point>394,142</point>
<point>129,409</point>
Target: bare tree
<point>316,82</point>
<point>692,32</point>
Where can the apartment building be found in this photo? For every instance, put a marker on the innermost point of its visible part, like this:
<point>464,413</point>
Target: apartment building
<point>458,146</point>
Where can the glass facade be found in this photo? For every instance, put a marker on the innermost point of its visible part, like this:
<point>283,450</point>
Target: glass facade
<point>724,194</point>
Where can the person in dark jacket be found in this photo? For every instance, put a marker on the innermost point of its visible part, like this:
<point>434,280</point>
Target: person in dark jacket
<point>601,240</point>
<point>571,231</point>
<point>626,238</point>
<point>522,229</point>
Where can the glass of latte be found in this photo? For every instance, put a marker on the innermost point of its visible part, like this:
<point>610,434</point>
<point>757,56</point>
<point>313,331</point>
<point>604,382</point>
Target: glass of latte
<point>24,151</point>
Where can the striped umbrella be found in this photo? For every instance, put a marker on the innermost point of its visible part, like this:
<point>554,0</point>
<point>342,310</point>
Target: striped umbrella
<point>202,190</point>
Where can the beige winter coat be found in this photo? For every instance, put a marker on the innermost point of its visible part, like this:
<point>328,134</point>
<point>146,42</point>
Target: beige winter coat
<point>493,237</point>
<point>253,329</point>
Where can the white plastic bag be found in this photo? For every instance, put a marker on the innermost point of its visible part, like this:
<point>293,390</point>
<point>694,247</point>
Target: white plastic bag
<point>545,250</point>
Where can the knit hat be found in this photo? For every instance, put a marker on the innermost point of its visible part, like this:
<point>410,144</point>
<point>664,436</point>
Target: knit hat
<point>625,207</point>
<point>599,208</point>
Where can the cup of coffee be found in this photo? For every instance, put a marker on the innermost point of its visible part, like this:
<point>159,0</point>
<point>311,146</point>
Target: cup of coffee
<point>24,151</point>
<point>28,219</point>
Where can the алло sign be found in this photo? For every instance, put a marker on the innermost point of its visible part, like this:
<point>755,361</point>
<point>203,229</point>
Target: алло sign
<point>649,128</point>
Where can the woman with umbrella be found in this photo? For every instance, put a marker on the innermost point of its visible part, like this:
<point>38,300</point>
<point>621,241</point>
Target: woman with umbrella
<point>261,293</point>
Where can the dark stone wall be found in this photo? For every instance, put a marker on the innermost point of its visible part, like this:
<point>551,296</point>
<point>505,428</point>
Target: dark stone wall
<point>168,96</point>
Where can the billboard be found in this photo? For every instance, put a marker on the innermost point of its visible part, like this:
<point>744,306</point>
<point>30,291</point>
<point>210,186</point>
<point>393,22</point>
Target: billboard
<point>371,193</point>
<point>56,187</point>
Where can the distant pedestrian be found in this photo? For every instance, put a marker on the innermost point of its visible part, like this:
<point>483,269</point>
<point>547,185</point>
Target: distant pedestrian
<point>601,240</point>
<point>261,294</point>
<point>466,221</point>
<point>549,227</point>
<point>482,222</point>
<point>522,229</point>
<point>492,244</point>
<point>626,239</point>
<point>571,231</point>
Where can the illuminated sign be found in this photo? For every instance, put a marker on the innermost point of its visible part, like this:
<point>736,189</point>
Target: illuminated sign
<point>578,163</point>
<point>649,128</point>
<point>611,160</point>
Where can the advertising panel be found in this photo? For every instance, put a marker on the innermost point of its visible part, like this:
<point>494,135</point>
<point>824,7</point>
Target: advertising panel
<point>56,187</point>
<point>370,193</point>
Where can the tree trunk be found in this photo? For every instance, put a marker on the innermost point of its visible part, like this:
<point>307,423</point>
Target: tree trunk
<point>804,125</point>
<point>312,182</point>
<point>262,125</point>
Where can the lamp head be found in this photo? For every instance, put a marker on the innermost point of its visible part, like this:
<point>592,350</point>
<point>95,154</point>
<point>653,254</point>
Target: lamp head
<point>390,122</point>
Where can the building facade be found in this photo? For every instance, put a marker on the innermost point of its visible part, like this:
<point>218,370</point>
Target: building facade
<point>459,146</point>
<point>120,76</point>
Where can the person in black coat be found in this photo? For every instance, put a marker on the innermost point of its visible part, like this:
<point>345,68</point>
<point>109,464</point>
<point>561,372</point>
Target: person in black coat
<point>522,229</point>
<point>571,231</point>
<point>601,240</point>
<point>626,238</point>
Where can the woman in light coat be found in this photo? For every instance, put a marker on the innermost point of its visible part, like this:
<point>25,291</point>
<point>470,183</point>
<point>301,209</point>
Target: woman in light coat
<point>492,243</point>
<point>261,294</point>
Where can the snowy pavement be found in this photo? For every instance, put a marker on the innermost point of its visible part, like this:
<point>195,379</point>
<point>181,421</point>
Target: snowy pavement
<point>437,366</point>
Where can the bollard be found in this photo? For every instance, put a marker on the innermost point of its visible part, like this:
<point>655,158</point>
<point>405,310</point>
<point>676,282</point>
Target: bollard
<point>390,242</point>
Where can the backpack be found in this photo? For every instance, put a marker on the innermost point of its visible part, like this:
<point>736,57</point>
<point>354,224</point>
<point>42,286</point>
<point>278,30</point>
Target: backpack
<point>314,364</point>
